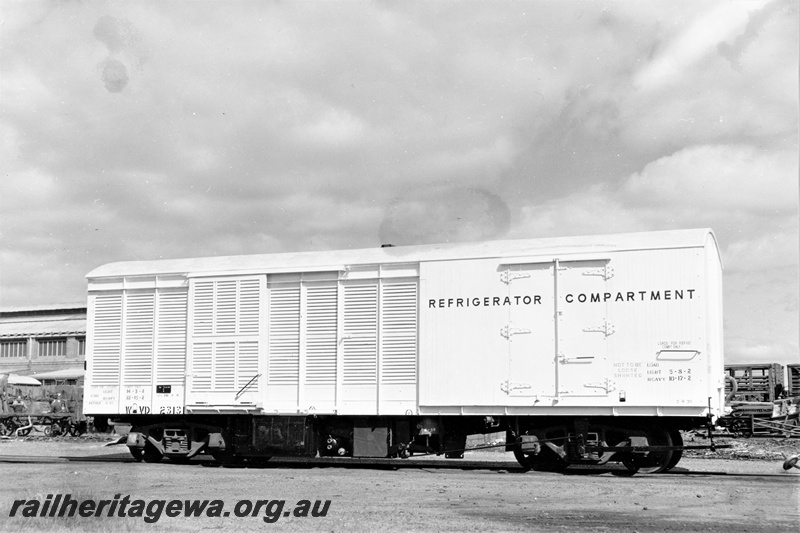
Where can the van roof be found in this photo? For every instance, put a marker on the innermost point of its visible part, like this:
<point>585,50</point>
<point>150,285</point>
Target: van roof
<point>557,247</point>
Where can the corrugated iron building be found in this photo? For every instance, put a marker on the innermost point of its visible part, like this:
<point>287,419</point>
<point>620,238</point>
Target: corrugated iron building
<point>43,340</point>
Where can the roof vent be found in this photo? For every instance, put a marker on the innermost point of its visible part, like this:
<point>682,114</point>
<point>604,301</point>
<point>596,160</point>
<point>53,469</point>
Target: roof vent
<point>387,245</point>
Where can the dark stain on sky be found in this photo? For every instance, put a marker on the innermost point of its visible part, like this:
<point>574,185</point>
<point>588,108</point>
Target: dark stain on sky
<point>445,213</point>
<point>114,74</point>
<point>116,35</point>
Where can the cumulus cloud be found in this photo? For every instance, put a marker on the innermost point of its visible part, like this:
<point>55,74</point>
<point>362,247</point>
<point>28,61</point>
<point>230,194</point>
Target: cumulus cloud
<point>442,213</point>
<point>757,20</point>
<point>697,186</point>
<point>333,127</point>
<point>722,178</point>
<point>694,42</point>
<point>748,195</point>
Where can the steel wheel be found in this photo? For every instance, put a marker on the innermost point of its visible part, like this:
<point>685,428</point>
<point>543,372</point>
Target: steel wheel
<point>7,428</point>
<point>151,454</point>
<point>137,454</point>
<point>677,440</point>
<point>655,461</point>
<point>223,457</point>
<point>545,461</point>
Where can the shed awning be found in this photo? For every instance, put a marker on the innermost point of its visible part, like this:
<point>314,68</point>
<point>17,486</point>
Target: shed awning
<point>67,373</point>
<point>15,379</point>
<point>43,328</point>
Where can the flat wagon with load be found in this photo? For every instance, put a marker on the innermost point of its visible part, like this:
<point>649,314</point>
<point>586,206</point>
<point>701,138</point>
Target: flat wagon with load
<point>584,350</point>
<point>28,404</point>
<point>758,402</point>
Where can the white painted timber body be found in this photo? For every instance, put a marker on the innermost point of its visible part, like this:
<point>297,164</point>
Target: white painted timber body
<point>615,325</point>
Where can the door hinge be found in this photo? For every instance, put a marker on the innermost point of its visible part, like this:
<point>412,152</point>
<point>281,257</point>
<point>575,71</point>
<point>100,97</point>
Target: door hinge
<point>605,272</point>
<point>607,385</point>
<point>507,331</point>
<point>606,329</point>
<point>507,276</point>
<point>508,386</point>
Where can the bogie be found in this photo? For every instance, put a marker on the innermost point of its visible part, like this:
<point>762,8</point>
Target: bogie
<point>647,448</point>
<point>152,442</point>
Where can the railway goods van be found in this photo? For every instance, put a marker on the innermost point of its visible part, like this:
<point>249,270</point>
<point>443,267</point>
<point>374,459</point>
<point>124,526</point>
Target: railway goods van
<point>583,350</point>
<point>760,382</point>
<point>793,379</point>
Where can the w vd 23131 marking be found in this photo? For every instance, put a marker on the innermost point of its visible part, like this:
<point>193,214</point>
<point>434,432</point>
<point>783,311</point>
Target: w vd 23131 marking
<point>145,410</point>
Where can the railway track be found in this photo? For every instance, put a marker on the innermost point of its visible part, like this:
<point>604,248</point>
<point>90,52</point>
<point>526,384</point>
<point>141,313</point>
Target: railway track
<point>338,462</point>
<point>385,464</point>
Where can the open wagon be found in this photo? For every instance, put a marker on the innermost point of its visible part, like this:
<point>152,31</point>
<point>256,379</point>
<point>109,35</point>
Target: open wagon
<point>780,418</point>
<point>27,406</point>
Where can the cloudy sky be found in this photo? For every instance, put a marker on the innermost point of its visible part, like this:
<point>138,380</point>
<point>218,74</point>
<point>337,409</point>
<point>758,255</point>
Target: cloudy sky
<point>144,130</point>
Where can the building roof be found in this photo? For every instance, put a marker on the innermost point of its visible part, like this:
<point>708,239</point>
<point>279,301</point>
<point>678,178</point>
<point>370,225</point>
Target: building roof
<point>49,327</point>
<point>560,247</point>
<point>52,320</point>
<point>44,309</point>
